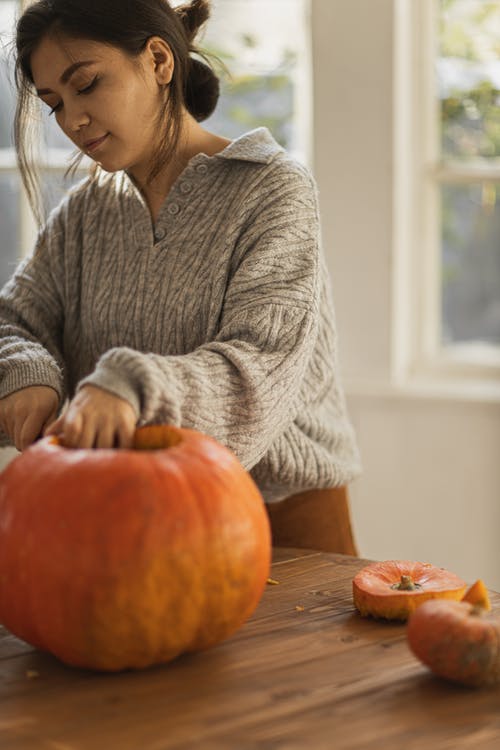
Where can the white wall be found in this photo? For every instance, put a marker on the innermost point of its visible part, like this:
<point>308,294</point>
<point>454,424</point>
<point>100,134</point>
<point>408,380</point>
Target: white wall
<point>431,483</point>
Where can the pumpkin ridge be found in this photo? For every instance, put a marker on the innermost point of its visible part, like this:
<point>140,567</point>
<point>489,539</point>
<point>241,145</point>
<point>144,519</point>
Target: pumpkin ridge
<point>222,541</point>
<point>193,507</point>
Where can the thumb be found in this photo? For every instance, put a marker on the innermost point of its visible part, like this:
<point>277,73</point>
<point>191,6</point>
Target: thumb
<point>52,427</point>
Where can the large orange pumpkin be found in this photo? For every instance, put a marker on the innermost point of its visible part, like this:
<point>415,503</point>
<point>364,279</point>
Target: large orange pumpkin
<point>394,588</point>
<point>115,559</point>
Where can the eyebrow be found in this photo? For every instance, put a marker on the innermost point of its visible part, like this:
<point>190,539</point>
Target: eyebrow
<point>66,75</point>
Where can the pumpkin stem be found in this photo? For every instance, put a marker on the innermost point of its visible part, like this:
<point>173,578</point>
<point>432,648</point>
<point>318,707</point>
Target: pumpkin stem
<point>155,437</point>
<point>406,584</point>
<point>478,610</point>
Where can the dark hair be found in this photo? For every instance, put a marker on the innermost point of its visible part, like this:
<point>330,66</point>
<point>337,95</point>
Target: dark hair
<point>127,25</point>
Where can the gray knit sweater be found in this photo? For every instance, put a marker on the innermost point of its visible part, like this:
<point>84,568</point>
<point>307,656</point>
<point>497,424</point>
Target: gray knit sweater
<point>217,318</point>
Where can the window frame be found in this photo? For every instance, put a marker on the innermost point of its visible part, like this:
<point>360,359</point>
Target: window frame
<point>419,173</point>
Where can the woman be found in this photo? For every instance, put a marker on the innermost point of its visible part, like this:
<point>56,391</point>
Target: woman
<point>181,282</point>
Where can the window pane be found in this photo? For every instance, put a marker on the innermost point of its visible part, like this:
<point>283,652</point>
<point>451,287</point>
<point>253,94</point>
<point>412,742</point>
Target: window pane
<point>52,135</point>
<point>7,101</point>
<point>264,47</point>
<point>471,263</point>
<point>10,241</point>
<point>55,185</point>
<point>468,70</point>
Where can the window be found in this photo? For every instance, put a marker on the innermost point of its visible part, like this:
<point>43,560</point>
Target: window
<point>263,45</point>
<point>448,172</point>
<point>10,236</point>
<point>18,227</point>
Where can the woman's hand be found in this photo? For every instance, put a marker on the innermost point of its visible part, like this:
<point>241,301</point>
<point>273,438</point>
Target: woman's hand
<point>95,419</point>
<point>25,413</point>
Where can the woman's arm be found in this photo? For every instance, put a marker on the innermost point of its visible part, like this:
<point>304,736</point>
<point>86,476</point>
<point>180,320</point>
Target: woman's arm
<point>31,314</point>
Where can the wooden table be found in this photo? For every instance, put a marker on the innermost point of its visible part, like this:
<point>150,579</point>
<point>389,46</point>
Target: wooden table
<point>304,672</point>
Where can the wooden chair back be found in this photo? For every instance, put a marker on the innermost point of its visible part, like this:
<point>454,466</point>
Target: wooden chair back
<point>315,519</point>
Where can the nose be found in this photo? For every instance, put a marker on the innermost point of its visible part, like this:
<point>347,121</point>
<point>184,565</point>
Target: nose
<point>75,116</point>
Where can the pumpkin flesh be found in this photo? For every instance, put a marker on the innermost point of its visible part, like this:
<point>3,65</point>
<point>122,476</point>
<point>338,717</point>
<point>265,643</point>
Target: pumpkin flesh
<point>393,589</point>
<point>115,559</point>
<point>478,594</point>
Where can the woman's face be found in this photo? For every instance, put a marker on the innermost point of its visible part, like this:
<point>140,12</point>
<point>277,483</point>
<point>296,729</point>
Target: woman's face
<point>104,101</point>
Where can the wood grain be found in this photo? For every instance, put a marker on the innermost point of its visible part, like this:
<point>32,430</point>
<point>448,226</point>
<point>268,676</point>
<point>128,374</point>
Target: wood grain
<point>304,672</point>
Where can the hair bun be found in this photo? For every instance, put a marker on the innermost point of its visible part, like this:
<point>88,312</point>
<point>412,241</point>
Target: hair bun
<point>193,15</point>
<point>202,90</point>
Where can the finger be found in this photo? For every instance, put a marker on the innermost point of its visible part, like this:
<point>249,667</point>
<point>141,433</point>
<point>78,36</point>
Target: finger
<point>71,430</point>
<point>16,432</point>
<point>88,435</point>
<point>125,437</point>
<point>3,419</point>
<point>50,420</point>
<point>105,437</point>
<point>53,428</point>
<point>28,432</point>
<point>7,426</point>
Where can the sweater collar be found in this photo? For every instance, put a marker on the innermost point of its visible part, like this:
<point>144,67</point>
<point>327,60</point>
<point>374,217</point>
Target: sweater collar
<point>256,146</point>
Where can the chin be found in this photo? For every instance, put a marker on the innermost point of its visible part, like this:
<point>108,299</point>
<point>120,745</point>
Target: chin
<point>112,165</point>
<point>108,167</point>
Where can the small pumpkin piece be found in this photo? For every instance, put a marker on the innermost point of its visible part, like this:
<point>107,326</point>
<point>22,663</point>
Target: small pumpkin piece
<point>393,589</point>
<point>457,641</point>
<point>478,595</point>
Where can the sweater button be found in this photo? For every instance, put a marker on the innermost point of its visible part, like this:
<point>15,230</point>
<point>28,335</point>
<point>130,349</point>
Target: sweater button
<point>160,234</point>
<point>201,168</point>
<point>186,187</point>
<point>173,208</point>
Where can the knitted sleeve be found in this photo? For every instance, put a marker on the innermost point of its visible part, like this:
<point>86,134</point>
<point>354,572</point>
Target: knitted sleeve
<point>31,315</point>
<point>242,387</point>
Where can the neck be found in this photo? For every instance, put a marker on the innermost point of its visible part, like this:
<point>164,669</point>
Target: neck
<point>193,140</point>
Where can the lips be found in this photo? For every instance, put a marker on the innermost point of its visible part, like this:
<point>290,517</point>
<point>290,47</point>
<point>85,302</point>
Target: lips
<point>94,143</point>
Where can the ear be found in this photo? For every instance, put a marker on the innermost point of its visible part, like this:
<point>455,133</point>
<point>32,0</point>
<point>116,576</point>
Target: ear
<point>161,59</point>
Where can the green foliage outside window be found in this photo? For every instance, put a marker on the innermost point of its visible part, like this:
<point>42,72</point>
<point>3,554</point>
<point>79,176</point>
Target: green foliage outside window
<point>253,99</point>
<point>469,79</point>
<point>469,36</point>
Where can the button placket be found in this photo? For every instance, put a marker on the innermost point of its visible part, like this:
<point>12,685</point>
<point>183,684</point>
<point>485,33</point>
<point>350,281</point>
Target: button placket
<point>179,195</point>
<point>160,233</point>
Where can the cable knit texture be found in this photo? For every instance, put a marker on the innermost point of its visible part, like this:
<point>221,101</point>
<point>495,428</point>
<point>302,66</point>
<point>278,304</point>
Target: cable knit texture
<point>218,318</point>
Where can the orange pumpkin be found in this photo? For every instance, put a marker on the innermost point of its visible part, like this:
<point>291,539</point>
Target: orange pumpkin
<point>115,559</point>
<point>395,588</point>
<point>457,641</point>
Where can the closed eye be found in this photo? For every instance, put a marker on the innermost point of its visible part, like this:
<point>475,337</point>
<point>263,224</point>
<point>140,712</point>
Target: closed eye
<point>86,90</point>
<point>90,87</point>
